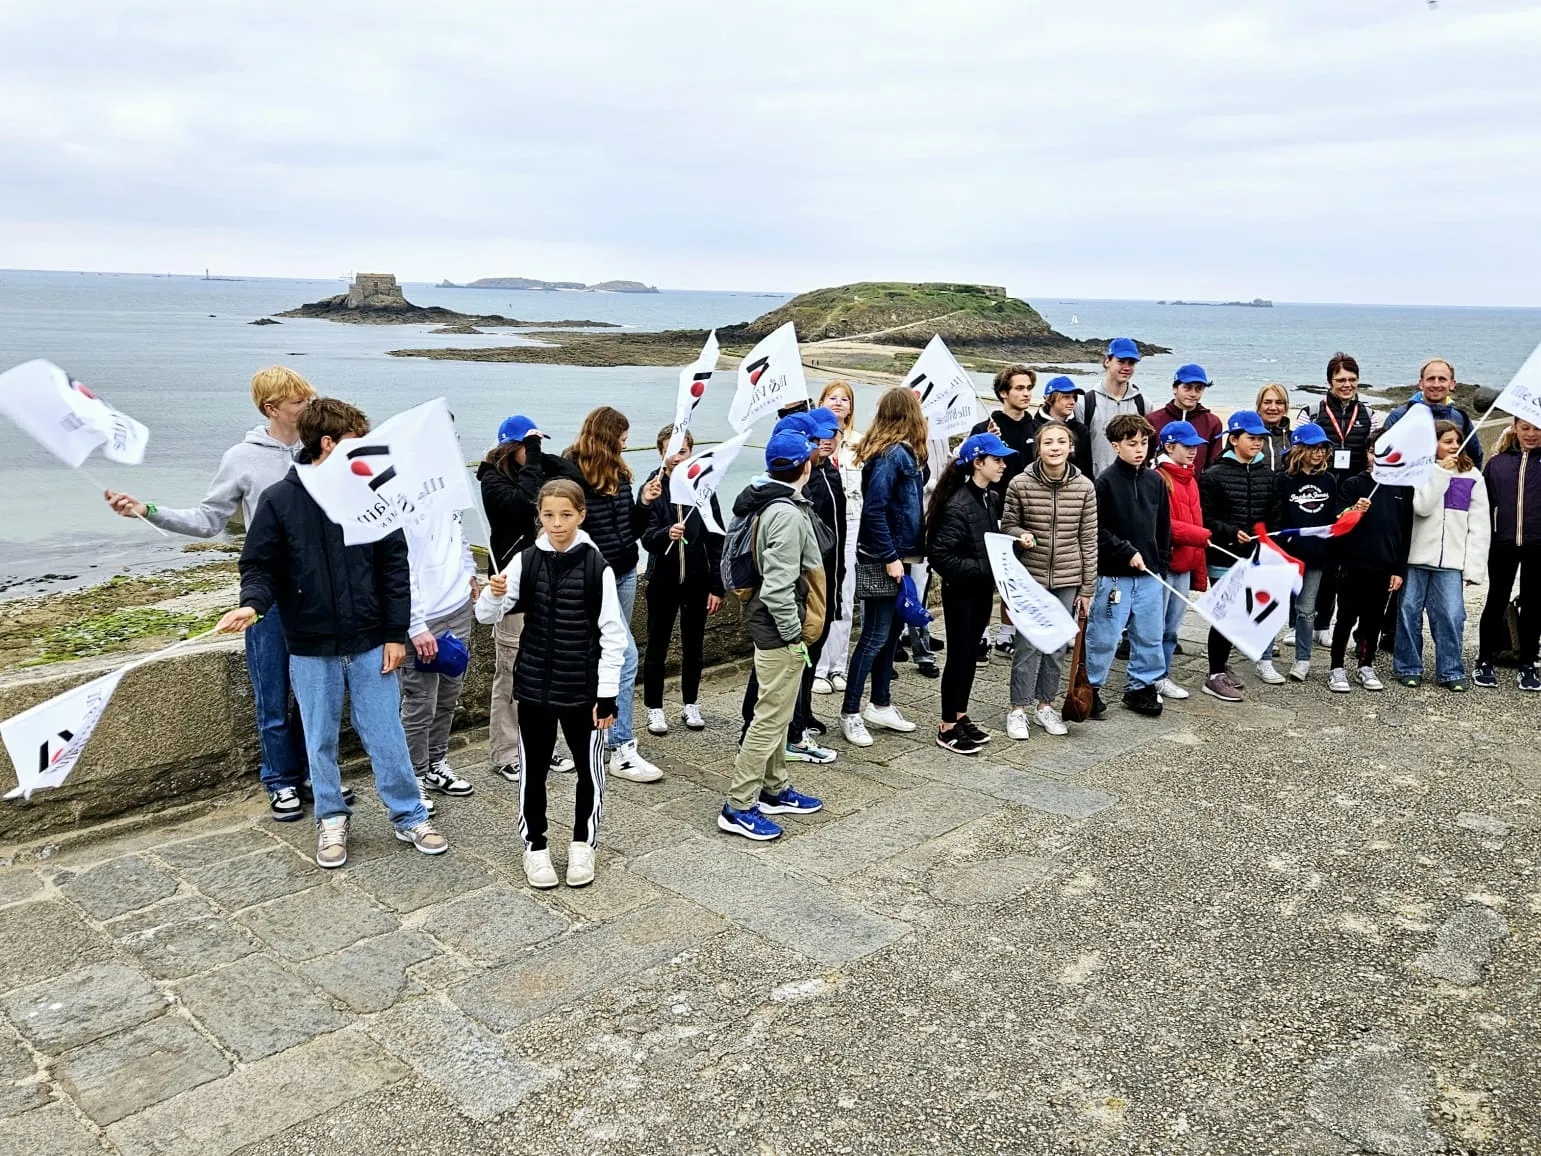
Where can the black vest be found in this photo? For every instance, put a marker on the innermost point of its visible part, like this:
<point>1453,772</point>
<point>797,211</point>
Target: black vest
<point>559,594</point>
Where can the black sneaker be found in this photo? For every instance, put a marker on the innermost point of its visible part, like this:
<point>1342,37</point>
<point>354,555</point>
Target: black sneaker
<point>309,796</point>
<point>286,805</point>
<point>509,771</point>
<point>1143,700</point>
<point>982,653</point>
<point>1123,649</point>
<point>1177,648</point>
<point>938,643</point>
<point>1528,679</point>
<point>1099,708</point>
<point>956,741</point>
<point>1484,675</point>
<point>1007,648</point>
<point>928,669</point>
<point>967,725</point>
<point>901,653</point>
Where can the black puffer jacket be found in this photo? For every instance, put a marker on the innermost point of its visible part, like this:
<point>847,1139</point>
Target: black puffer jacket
<point>1347,426</point>
<point>510,502</point>
<point>614,522</point>
<point>334,599</point>
<point>701,549</point>
<point>957,547</point>
<point>1235,498</point>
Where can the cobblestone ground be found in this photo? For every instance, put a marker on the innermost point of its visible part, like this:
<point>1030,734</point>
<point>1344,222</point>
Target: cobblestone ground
<point>1305,924</point>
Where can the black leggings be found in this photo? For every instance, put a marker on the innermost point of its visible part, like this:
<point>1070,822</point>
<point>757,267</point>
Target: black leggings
<point>666,597</point>
<point>1362,598</point>
<point>537,739</point>
<point>1504,560</point>
<point>967,608</point>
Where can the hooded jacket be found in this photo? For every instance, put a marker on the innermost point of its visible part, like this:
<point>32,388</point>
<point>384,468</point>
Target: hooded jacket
<point>957,546</point>
<point>1277,448</point>
<point>1204,423</point>
<point>1444,411</point>
<point>1189,537</point>
<point>245,472</point>
<point>788,603</point>
<point>1133,517</point>
<point>825,491</point>
<point>510,502</point>
<point>1235,498</point>
<point>1019,435</point>
<point>696,558</point>
<point>1514,495</point>
<point>1380,541</point>
<point>334,599</point>
<point>1080,442</point>
<point>1096,408</point>
<point>1061,515</point>
<point>1451,524</point>
<point>892,488</point>
<point>1301,500</point>
<point>442,569</point>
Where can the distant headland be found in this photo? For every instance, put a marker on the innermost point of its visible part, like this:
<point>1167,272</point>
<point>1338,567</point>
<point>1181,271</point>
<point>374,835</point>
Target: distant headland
<point>376,299</point>
<point>549,286</point>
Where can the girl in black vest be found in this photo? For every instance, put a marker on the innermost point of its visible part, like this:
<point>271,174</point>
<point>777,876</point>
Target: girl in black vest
<point>567,674</point>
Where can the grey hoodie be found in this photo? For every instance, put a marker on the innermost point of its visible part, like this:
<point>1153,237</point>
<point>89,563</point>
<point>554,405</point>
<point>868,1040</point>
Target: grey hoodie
<point>247,469</point>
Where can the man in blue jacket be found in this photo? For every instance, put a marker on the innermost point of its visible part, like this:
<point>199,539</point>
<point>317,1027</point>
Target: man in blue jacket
<point>1435,381</point>
<point>345,611</point>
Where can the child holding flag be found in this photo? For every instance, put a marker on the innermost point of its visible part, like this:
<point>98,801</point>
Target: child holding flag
<point>1181,444</point>
<point>1373,566</point>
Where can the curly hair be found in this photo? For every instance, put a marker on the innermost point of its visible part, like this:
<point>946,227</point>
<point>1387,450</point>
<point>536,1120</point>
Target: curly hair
<point>596,451</point>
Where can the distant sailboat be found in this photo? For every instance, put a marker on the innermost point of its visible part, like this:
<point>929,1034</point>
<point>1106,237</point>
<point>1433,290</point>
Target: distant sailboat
<point>1074,320</point>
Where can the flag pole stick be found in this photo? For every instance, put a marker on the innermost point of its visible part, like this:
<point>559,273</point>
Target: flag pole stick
<point>1478,424</point>
<point>95,481</point>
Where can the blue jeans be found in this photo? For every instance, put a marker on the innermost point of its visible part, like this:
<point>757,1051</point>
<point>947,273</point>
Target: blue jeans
<point>279,733</point>
<point>1141,609</point>
<point>1441,593</point>
<point>626,591</point>
<point>874,654</point>
<point>375,702</point>
<point>1175,609</point>
<point>1305,612</point>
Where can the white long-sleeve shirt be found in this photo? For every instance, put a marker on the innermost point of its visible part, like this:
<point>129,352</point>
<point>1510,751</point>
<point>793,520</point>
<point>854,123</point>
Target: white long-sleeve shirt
<point>613,629</point>
<point>442,568</point>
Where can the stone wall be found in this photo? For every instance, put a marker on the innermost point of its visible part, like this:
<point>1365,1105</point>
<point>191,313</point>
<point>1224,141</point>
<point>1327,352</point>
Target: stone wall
<point>368,285</point>
<point>183,728</point>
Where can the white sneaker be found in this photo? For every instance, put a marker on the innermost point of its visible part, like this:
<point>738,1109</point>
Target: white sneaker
<point>1169,689</point>
<point>887,717</point>
<point>1337,681</point>
<point>656,723</point>
<point>822,685</point>
<point>854,730</point>
<point>580,865</point>
<point>837,681</point>
<point>1369,679</point>
<point>626,762</point>
<point>561,763</point>
<point>1324,638</point>
<point>422,791</point>
<point>1288,639</point>
<point>1048,718</point>
<point>691,717</point>
<point>1268,673</point>
<point>538,871</point>
<point>1016,724</point>
<point>1300,671</point>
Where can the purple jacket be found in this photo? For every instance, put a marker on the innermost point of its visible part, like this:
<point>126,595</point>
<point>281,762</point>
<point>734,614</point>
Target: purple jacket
<point>1514,492</point>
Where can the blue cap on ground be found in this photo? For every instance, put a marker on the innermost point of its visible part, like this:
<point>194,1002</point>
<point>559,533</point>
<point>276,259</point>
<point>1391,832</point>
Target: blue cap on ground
<point>822,422</point>
<point>1061,385</point>
<point>796,422</point>
<point>1181,432</point>
<point>1248,422</point>
<point>787,449</point>
<point>451,660</point>
<point>981,445</point>
<point>1308,433</point>
<point>516,429</point>
<point>1190,374</point>
<point>1123,347</point>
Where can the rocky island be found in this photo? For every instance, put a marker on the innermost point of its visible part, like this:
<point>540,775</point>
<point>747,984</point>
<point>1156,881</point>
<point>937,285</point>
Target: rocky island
<point>533,283</point>
<point>872,327</point>
<point>376,299</point>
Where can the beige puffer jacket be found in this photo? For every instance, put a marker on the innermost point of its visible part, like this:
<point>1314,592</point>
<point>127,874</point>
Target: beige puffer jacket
<point>1062,516</point>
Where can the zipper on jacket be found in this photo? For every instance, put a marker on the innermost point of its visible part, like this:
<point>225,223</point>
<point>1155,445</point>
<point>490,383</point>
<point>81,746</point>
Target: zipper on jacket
<point>1519,500</point>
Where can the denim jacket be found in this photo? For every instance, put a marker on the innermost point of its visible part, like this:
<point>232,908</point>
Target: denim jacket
<point>891,488</point>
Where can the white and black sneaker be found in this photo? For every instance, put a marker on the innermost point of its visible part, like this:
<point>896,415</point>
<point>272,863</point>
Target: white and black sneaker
<point>509,771</point>
<point>956,740</point>
<point>286,805</point>
<point>441,777</point>
<point>422,793</point>
<point>562,762</point>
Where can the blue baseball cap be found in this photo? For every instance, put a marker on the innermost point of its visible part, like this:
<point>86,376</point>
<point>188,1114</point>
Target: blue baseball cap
<point>1248,422</point>
<point>981,445</point>
<point>1123,347</point>
<point>451,660</point>
<point>787,448</point>
<point>822,422</point>
<point>1190,374</point>
<point>1181,432</point>
<point>516,429</point>
<point>1308,433</point>
<point>1061,385</point>
<point>796,422</point>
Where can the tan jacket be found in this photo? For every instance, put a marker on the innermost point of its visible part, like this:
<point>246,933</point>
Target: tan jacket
<point>1063,519</point>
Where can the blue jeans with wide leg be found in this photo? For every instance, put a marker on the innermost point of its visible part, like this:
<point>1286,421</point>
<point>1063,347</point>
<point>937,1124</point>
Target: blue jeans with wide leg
<point>1440,593</point>
<point>375,709</point>
<point>279,731</point>
<point>1141,609</point>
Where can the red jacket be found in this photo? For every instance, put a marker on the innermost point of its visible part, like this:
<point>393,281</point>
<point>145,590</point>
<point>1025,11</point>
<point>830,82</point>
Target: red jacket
<point>1204,422</point>
<point>1188,534</point>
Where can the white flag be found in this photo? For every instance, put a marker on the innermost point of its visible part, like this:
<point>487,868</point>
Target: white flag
<point>769,377</point>
<point>407,468</point>
<point>45,741</point>
<point>693,382</point>
<point>1038,615</point>
<point>1249,604</point>
<point>1522,396</point>
<point>67,418</point>
<point>945,390</point>
<point>1404,454</point>
<point>696,479</point>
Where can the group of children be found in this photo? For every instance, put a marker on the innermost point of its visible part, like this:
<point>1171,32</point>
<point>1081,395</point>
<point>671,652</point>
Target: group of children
<point>1121,513</point>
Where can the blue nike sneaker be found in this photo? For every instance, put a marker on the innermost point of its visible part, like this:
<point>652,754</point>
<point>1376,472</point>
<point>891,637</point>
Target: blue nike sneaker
<point>788,802</point>
<point>749,823</point>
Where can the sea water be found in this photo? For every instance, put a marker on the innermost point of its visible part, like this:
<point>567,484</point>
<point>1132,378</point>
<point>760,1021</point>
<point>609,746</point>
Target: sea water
<point>178,354</point>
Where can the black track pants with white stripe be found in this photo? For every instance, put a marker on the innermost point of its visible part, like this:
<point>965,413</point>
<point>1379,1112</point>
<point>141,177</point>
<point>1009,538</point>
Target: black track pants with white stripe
<point>537,739</point>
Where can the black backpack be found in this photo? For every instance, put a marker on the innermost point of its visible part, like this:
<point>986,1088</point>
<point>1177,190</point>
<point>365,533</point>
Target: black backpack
<point>740,575</point>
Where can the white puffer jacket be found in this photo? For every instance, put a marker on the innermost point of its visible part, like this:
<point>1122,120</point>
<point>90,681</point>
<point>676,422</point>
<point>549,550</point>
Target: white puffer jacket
<point>1451,524</point>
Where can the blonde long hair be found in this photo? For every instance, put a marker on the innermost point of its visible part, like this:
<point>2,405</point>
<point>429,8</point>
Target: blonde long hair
<point>1298,461</point>
<point>898,421</point>
<point>848,422</point>
<point>596,451</point>
<point>1273,387</point>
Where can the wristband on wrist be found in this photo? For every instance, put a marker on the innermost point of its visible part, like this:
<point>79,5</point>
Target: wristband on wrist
<point>151,509</point>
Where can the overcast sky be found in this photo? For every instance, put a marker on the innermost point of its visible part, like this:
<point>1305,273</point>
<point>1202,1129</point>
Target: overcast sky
<point>1315,150</point>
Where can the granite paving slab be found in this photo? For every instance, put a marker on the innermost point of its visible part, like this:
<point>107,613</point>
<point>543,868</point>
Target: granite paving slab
<point>125,1073</point>
<point>494,924</point>
<point>371,975</point>
<point>256,1008</point>
<point>45,938</point>
<point>116,887</point>
<point>181,937</point>
<point>316,922</point>
<point>82,1005</point>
